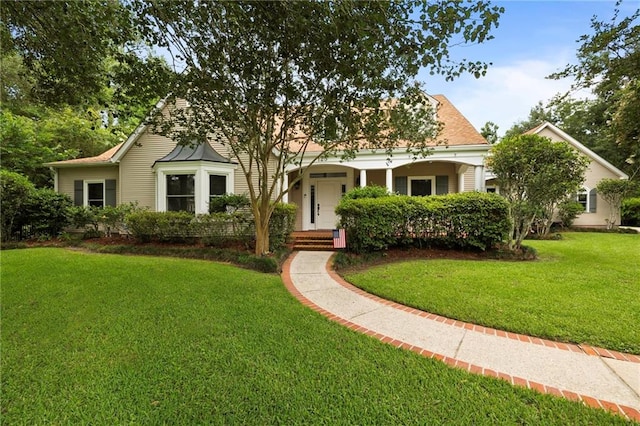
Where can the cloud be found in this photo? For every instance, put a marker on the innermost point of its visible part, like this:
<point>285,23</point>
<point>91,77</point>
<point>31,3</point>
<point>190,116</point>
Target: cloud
<point>507,93</point>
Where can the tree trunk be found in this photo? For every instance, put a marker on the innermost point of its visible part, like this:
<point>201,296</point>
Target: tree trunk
<point>262,230</point>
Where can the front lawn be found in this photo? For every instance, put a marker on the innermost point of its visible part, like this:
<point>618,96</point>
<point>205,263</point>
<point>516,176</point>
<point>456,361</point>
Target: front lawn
<point>108,339</point>
<point>584,288</point>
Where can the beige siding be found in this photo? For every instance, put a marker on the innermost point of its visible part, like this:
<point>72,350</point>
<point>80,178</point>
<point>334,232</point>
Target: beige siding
<point>470,179</point>
<point>595,173</point>
<point>241,185</point>
<point>67,176</point>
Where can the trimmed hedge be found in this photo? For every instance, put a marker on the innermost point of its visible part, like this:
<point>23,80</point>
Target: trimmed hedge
<point>215,229</point>
<point>630,212</point>
<point>463,221</point>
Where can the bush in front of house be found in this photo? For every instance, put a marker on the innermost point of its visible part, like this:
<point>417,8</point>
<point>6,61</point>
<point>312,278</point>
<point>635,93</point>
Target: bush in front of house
<point>45,213</point>
<point>568,211</point>
<point>15,191</point>
<point>369,191</point>
<point>630,212</point>
<point>462,221</point>
<point>214,229</point>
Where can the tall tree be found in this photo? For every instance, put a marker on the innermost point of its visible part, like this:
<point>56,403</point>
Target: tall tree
<point>609,64</point>
<point>490,132</point>
<point>269,78</point>
<point>534,174</point>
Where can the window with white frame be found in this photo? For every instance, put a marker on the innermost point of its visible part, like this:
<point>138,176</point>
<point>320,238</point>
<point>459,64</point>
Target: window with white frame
<point>422,186</point>
<point>94,193</point>
<point>582,197</point>
<point>181,192</point>
<point>217,185</point>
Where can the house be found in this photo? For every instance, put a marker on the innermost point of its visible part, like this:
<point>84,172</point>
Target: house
<point>596,209</point>
<point>155,172</point>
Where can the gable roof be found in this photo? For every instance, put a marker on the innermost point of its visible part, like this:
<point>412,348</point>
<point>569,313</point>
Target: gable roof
<point>457,130</point>
<point>577,145</point>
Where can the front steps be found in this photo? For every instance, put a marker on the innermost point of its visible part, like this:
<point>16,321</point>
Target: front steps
<point>313,240</point>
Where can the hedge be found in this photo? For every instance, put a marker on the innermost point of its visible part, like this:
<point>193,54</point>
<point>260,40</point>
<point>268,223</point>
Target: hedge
<point>630,212</point>
<point>215,229</point>
<point>462,221</point>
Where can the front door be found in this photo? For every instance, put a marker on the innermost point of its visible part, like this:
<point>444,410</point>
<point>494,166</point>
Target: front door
<point>328,196</point>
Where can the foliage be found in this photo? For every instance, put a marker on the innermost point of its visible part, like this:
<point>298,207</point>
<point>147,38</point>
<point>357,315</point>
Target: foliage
<point>551,298</point>
<point>490,132</point>
<point>265,77</point>
<point>630,212</point>
<point>15,192</point>
<point>45,213</point>
<point>608,63</point>
<point>229,203</point>
<point>96,220</point>
<point>568,211</point>
<point>613,191</point>
<point>534,175</point>
<point>465,221</point>
<point>64,45</point>
<point>84,218</point>
<point>214,229</point>
<point>369,191</point>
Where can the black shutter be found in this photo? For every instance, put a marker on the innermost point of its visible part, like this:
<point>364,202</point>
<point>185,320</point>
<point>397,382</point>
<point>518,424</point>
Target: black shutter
<point>442,185</point>
<point>593,199</point>
<point>110,192</point>
<point>401,185</point>
<point>78,195</point>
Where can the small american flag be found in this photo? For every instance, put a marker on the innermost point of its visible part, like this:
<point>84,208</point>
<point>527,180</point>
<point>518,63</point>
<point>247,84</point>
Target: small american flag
<point>339,239</point>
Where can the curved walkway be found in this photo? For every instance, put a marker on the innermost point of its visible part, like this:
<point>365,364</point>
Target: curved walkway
<point>597,377</point>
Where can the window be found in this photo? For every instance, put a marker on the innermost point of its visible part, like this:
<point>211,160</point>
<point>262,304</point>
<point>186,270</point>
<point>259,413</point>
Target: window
<point>421,186</point>
<point>181,193</point>
<point>95,194</point>
<point>583,198</point>
<point>217,185</point>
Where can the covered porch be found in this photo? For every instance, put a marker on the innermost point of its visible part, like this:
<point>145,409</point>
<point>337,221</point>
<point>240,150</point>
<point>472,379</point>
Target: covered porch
<point>322,185</point>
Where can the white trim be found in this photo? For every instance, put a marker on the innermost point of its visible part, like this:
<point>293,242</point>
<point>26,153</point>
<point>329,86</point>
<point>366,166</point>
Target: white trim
<point>201,171</point>
<point>85,191</point>
<point>412,178</point>
<point>583,149</point>
<point>586,191</point>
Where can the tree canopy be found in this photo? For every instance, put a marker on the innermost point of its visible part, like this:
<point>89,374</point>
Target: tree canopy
<point>270,78</point>
<point>534,175</point>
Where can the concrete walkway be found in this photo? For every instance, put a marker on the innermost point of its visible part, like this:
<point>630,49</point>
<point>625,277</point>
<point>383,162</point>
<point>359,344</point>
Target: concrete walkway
<point>597,377</point>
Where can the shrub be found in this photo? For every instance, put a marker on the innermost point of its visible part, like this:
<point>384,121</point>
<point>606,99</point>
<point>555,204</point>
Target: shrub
<point>45,213</point>
<point>371,191</point>
<point>631,212</point>
<point>222,229</point>
<point>228,203</point>
<point>15,191</point>
<point>568,211</point>
<point>281,225</point>
<point>465,221</point>
<point>85,218</point>
<point>148,226</point>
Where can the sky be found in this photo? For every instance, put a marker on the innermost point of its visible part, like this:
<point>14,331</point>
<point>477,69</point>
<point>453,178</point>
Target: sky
<point>533,40</point>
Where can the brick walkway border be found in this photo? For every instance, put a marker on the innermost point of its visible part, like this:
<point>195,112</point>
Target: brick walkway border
<point>624,411</point>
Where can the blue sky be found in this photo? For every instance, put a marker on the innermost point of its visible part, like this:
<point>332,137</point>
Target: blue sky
<point>534,39</point>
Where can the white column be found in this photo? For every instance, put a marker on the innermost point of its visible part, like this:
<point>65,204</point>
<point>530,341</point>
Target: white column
<point>363,178</point>
<point>389,180</point>
<point>479,178</point>
<point>284,187</point>
<point>460,182</point>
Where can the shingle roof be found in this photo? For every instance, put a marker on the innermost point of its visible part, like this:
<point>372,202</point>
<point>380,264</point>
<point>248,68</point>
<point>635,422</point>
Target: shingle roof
<point>102,159</point>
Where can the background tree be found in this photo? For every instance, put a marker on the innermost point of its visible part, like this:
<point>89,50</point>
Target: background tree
<point>534,175</point>
<point>609,64</point>
<point>613,191</point>
<point>272,77</point>
<point>490,132</point>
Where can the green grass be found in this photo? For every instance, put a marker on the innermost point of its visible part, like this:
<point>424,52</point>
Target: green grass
<point>109,339</point>
<point>583,289</point>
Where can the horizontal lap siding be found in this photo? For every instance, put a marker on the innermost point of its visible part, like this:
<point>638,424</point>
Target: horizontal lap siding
<point>67,176</point>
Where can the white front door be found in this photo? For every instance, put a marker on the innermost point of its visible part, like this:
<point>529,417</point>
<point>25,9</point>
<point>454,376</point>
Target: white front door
<point>327,198</point>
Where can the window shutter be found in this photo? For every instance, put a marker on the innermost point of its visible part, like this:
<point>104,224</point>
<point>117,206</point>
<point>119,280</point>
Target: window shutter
<point>442,185</point>
<point>78,195</point>
<point>401,185</point>
<point>110,192</point>
<point>593,199</point>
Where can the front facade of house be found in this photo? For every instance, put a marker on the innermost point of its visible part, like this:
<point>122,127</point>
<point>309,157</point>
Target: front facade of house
<point>152,171</point>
